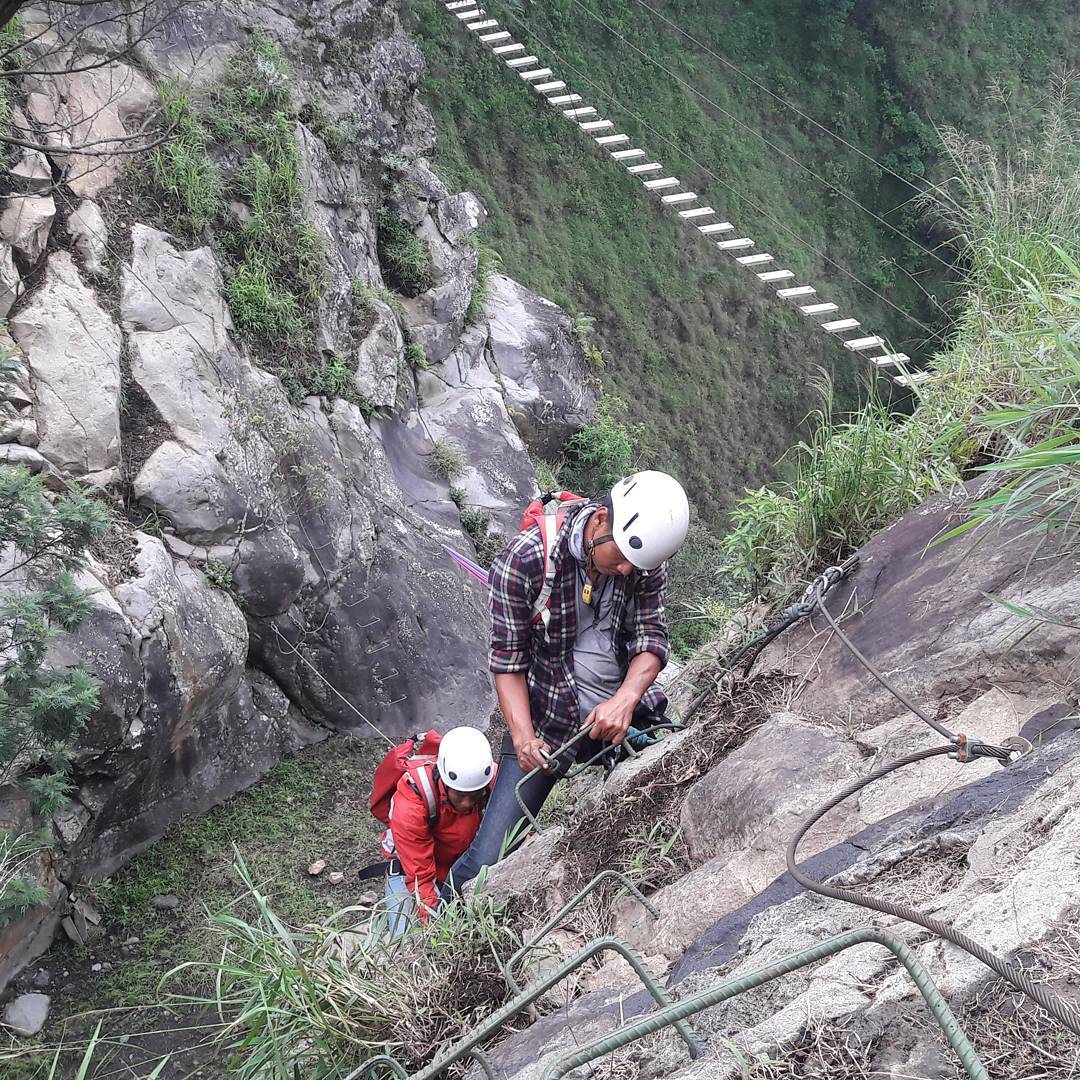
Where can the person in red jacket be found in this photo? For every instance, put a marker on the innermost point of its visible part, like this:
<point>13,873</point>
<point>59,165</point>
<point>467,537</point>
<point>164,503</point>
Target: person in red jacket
<point>434,815</point>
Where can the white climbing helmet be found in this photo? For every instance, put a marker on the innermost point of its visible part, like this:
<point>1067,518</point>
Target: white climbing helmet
<point>649,518</point>
<point>465,762</point>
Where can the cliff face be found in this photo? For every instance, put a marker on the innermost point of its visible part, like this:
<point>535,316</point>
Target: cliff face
<point>276,568</point>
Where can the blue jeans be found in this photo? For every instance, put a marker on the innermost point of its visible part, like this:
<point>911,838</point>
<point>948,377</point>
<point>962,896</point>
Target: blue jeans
<point>400,905</point>
<point>501,819</point>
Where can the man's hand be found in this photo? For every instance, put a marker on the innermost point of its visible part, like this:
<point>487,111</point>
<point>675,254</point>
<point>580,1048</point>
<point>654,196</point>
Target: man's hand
<point>530,753</point>
<point>611,719</point>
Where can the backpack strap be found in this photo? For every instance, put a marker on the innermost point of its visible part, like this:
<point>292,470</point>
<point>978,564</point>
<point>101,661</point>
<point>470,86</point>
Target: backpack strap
<point>550,527</point>
<point>425,783</point>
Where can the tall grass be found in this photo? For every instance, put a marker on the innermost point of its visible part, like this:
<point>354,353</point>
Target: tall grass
<point>318,1000</point>
<point>1005,395</point>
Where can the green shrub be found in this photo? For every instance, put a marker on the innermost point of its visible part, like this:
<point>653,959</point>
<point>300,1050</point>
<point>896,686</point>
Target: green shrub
<point>446,460</point>
<point>416,356</point>
<point>363,307</point>
<point>258,308</point>
<point>583,328</point>
<point>476,524</point>
<point>599,453</point>
<point>488,263</point>
<point>403,256</point>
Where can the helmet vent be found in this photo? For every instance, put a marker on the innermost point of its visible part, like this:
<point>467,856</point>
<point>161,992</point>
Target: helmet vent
<point>452,775</point>
<point>630,522</point>
<point>635,542</point>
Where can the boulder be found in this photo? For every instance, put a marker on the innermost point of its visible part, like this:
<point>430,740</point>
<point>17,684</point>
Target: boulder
<point>25,223</point>
<point>31,174</point>
<point>544,375</point>
<point>88,233</point>
<point>73,349</point>
<point>459,216</point>
<point>26,1014</point>
<point>10,282</point>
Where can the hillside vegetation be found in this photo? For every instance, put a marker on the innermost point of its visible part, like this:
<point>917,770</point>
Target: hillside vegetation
<point>716,375</point>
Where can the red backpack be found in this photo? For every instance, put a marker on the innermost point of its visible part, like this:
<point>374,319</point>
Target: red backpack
<point>415,756</point>
<point>549,512</point>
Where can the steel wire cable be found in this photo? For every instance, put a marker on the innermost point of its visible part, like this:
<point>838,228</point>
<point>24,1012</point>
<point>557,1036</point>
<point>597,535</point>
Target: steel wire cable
<point>780,98</point>
<point>768,142</point>
<point>513,18</point>
<point>1016,977</point>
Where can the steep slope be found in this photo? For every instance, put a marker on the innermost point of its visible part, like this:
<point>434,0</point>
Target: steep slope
<point>712,369</point>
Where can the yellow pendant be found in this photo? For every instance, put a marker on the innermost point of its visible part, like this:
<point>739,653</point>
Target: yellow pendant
<point>586,593</point>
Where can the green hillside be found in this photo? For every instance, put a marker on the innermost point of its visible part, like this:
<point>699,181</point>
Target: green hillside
<point>717,375</point>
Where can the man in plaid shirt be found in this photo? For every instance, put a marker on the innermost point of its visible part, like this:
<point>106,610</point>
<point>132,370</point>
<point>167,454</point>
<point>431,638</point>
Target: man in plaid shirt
<point>588,658</point>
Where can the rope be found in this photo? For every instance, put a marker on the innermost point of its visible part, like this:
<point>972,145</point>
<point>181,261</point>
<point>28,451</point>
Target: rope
<point>757,134</point>
<point>932,334</point>
<point>1017,978</point>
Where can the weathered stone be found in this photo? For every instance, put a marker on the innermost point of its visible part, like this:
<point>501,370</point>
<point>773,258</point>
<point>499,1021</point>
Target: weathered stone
<point>459,216</point>
<point>317,867</point>
<point>379,357</point>
<point>10,282</point>
<point>86,227</point>
<point>544,374</point>
<point>26,1015</point>
<point>25,223</point>
<point>165,902</point>
<point>73,349</point>
<point>31,174</point>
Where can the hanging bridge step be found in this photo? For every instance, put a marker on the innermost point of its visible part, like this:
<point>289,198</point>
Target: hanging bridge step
<point>683,196</point>
<point>506,50</point>
<point>890,359</point>
<point>698,211</point>
<point>521,61</point>
<point>736,245</point>
<point>665,182</point>
<point>913,379</point>
<point>546,88</point>
<point>637,170</point>
<point>487,24</point>
<point>499,35</point>
<point>754,260</point>
<point>612,140</point>
<point>539,73</point>
<point>819,309</point>
<point>574,114</point>
<point>863,343</point>
<point>840,325</point>
<point>475,13</point>
<point>799,290</point>
<point>597,125</point>
<point>564,99</point>
<point>458,5</point>
<point>716,227</point>
<point>626,155</point>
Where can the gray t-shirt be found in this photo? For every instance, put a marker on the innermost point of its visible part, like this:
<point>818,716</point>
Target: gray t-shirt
<point>597,671</point>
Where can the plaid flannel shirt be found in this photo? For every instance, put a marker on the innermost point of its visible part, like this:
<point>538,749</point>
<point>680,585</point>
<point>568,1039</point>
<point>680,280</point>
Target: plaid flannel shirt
<point>520,645</point>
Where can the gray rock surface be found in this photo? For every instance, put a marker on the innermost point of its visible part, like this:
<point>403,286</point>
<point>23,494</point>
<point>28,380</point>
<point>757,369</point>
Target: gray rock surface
<point>73,349</point>
<point>86,227</point>
<point>10,282</point>
<point>26,1015</point>
<point>25,223</point>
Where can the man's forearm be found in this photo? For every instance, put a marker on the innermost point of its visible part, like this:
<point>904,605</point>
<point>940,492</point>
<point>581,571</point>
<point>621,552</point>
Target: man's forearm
<point>513,693</point>
<point>640,675</point>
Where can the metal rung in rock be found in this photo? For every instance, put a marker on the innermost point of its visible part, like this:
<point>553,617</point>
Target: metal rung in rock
<point>597,125</point>
<point>858,344</point>
<point>819,309</point>
<point>505,50</point>
<point>499,35</point>
<point>777,275</point>
<point>665,182</point>
<point>754,260</point>
<point>539,73</point>
<point>913,379</point>
<point>573,114</point>
<point>799,290</point>
<point>840,325</point>
<point>715,227</point>
<point>735,245</point>
<point>612,140</point>
<point>546,88</point>
<point>487,24</point>
<point>889,359</point>
<point>564,99</point>
<point>698,211</point>
<point>683,196</point>
<point>521,61</point>
<point>651,166</point>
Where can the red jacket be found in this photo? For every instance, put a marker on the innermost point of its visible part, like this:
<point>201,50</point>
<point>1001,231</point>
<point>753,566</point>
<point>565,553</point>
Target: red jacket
<point>426,850</point>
